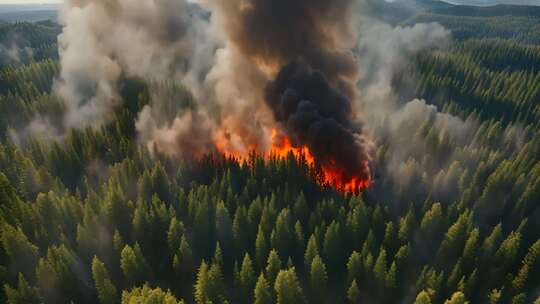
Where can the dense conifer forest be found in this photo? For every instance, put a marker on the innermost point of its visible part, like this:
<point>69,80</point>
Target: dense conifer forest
<point>93,216</point>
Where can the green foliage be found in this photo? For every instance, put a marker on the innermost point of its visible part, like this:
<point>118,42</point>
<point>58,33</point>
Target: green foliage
<point>318,279</point>
<point>147,295</point>
<point>457,298</point>
<point>273,266</point>
<point>21,253</point>
<point>92,216</point>
<point>23,294</point>
<point>353,293</point>
<point>184,261</point>
<point>107,293</point>
<point>262,291</point>
<point>424,297</point>
<point>134,265</point>
<point>247,279</point>
<point>287,287</point>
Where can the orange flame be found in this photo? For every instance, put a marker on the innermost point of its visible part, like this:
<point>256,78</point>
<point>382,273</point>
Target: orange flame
<point>282,147</point>
<point>331,175</point>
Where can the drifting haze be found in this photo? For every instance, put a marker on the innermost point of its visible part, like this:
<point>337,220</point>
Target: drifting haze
<point>248,70</point>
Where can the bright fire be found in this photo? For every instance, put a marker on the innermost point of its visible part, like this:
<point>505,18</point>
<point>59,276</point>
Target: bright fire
<point>331,175</point>
<point>282,147</point>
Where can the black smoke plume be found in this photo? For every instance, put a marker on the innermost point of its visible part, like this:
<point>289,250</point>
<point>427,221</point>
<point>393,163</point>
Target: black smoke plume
<point>277,32</point>
<point>306,44</point>
<point>320,117</point>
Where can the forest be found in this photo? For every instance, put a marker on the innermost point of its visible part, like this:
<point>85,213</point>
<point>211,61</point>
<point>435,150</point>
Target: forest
<point>452,215</point>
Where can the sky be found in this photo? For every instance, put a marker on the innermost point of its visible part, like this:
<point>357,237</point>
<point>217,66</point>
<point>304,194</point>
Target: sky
<point>534,2</point>
<point>29,1</point>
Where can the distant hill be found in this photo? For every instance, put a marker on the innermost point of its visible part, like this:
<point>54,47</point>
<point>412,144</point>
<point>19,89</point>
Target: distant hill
<point>22,42</point>
<point>519,22</point>
<point>489,11</point>
<point>28,12</point>
<point>494,2</point>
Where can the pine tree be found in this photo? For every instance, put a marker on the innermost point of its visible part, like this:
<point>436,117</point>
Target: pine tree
<point>318,280</point>
<point>391,281</point>
<point>22,254</point>
<point>311,252</point>
<point>57,275</point>
<point>24,294</point>
<point>299,241</point>
<point>506,255</point>
<point>183,261</point>
<point>424,297</point>
<point>134,265</point>
<point>390,237</point>
<point>469,252</point>
<point>519,299</point>
<point>283,240</point>
<point>354,267</point>
<point>118,242</point>
<point>273,266</point>
<point>457,298</point>
<point>432,222</point>
<point>175,234</point>
<point>107,293</point>
<point>402,255</point>
<point>494,296</point>
<point>209,286</point>
<point>202,286</point>
<point>379,270</point>
<point>261,248</point>
<point>287,287</point>
<point>262,291</point>
<point>528,269</point>
<point>216,283</point>
<point>241,237</point>
<point>218,256</point>
<point>147,295</point>
<point>353,294</point>
<point>224,227</point>
<point>332,245</point>
<point>247,279</point>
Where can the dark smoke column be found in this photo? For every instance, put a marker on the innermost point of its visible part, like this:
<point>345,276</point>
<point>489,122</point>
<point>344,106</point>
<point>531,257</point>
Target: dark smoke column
<point>315,115</point>
<point>308,44</point>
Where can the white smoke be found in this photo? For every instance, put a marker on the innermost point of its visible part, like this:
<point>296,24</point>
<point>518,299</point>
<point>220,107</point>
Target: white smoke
<point>104,41</point>
<point>12,54</point>
<point>385,51</point>
<point>40,127</point>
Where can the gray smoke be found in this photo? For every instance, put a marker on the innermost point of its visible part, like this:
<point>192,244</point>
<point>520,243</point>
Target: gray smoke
<point>105,41</point>
<point>11,54</point>
<point>300,54</point>
<point>386,51</point>
<point>226,53</point>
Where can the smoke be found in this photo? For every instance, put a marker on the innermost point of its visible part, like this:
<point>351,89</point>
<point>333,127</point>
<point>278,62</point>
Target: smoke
<point>385,51</point>
<point>318,71</point>
<point>105,41</point>
<point>299,54</point>
<point>320,117</point>
<point>39,127</point>
<point>275,33</point>
<point>421,147</point>
<point>257,40</point>
<point>187,136</point>
<point>12,54</point>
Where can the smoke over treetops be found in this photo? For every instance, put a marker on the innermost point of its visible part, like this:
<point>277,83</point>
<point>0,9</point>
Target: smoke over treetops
<point>304,48</point>
<point>256,68</point>
<point>319,117</point>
